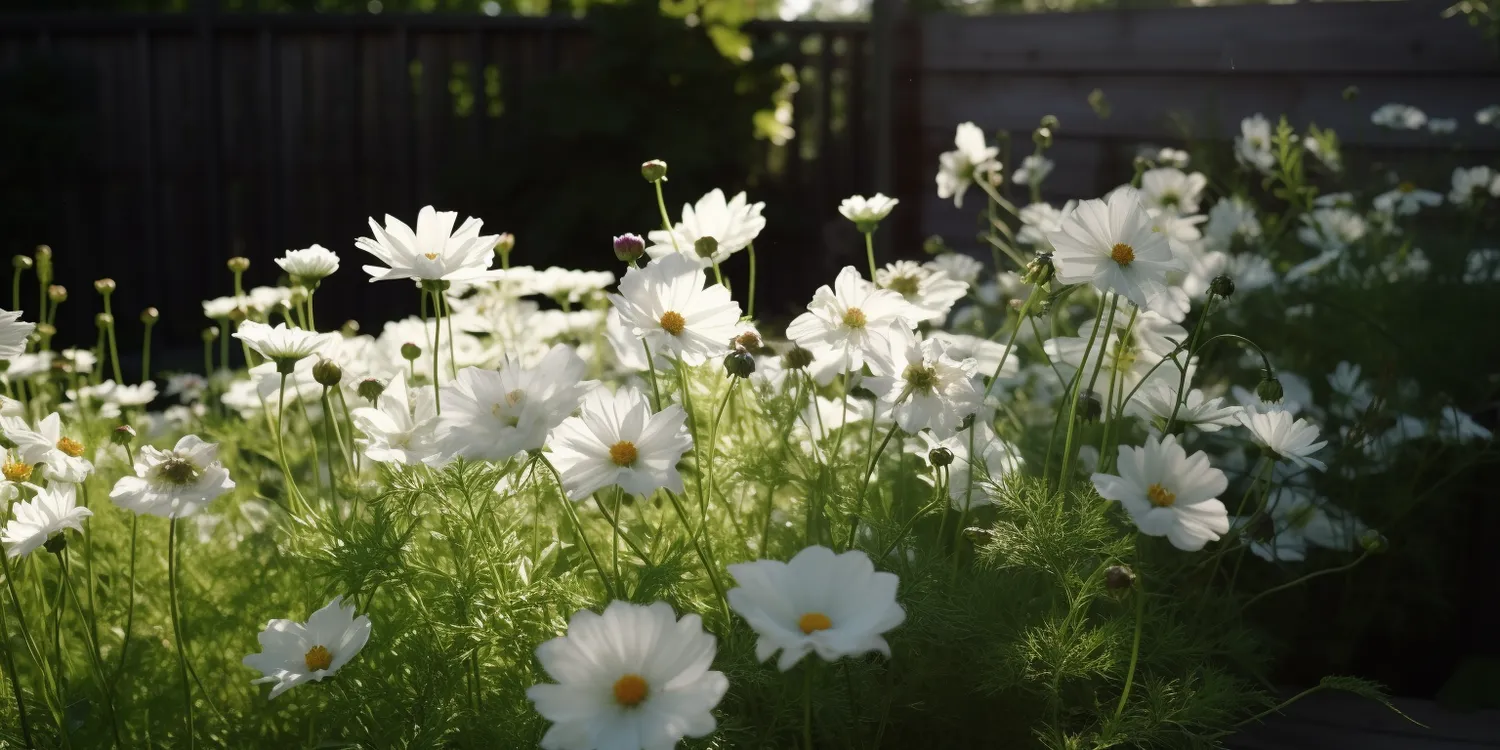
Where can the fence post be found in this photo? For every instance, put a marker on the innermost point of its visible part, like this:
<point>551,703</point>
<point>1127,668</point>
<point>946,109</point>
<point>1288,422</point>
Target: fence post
<point>883,16</point>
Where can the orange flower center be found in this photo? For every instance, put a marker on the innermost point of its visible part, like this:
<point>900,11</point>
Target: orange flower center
<point>1406,187</point>
<point>70,446</point>
<point>1122,253</point>
<point>1160,496</point>
<point>318,658</point>
<point>430,256</point>
<point>15,471</point>
<point>623,453</point>
<point>855,318</point>
<point>631,689</point>
<point>812,622</point>
<point>672,322</point>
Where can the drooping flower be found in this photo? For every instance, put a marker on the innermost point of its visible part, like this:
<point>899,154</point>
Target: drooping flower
<point>867,212</point>
<point>51,512</point>
<point>1292,439</point>
<point>999,459</point>
<point>733,224</point>
<point>930,293</point>
<point>1172,190</point>
<point>434,252</point>
<point>1113,246</point>
<point>632,678</point>
<point>1252,147</point>
<point>401,427</point>
<point>666,305</point>
<point>926,388</point>
<point>1168,493</point>
<point>309,265</point>
<point>283,345</point>
<point>13,333</point>
<point>61,456</point>
<point>174,483</point>
<point>616,440</point>
<point>836,605</point>
<point>1406,199</point>
<point>292,653</point>
<point>493,415</point>
<point>851,323</point>
<point>969,161</point>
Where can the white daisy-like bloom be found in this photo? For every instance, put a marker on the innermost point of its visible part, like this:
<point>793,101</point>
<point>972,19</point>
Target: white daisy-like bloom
<point>309,264</point>
<point>958,266</point>
<point>632,678</point>
<point>1471,184</point>
<point>1164,157</point>
<point>986,354</point>
<point>51,512</point>
<point>666,305</point>
<point>123,395</point>
<point>733,223</point>
<point>292,653</point>
<point>1168,493</point>
<point>1353,393</point>
<point>1482,265</point>
<point>1151,341</point>
<point>1296,394</point>
<point>926,388</point>
<point>971,159</point>
<point>570,285</point>
<point>1231,218</point>
<point>433,252</point>
<point>1114,246</point>
<point>61,456</point>
<point>401,427</point>
<point>13,333</point>
<point>281,344</point>
<point>1398,117</point>
<point>1249,271</point>
<point>1457,426</point>
<point>1298,519</point>
<point>836,605</point>
<point>1207,414</point>
<point>1252,147</point>
<point>1001,460</point>
<point>1332,228</point>
<point>13,408</point>
<point>466,349</point>
<point>851,323</point>
<point>1171,190</point>
<point>930,293</point>
<point>1406,200</point>
<point>1033,170</point>
<point>174,483</point>
<point>1488,115</point>
<point>1442,125</point>
<point>616,440</point>
<point>220,308</point>
<point>493,415</point>
<point>867,212</point>
<point>1292,439</point>
<point>187,386</point>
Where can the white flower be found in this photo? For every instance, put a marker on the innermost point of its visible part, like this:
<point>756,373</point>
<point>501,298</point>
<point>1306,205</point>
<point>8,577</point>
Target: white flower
<point>867,212</point>
<point>986,353</point>
<point>1332,228</point>
<point>958,266</point>
<point>1488,115</point>
<point>400,429</point>
<point>1231,218</point>
<point>970,160</point>
<point>1354,394</point>
<point>1207,414</point>
<point>309,265</point>
<point>666,305</point>
<point>1168,493</point>
<point>490,415</point>
<point>282,344</point>
<point>1039,220</point>
<point>13,333</point>
<point>926,387</point>
<point>1033,170</point>
<point>1482,265</point>
<point>1000,460</point>
<point>1164,157</point>
<point>1296,393</point>
<point>188,386</point>
<point>851,323</point>
<point>1113,246</point>
<point>1293,440</point>
<point>1459,427</point>
<point>174,483</point>
<point>1249,271</point>
<point>10,407</point>
<point>1406,200</point>
<point>836,605</point>
<point>1473,183</point>
<point>632,678</point>
<point>1299,518</point>
<point>1330,157</point>
<point>1398,117</point>
<point>292,653</point>
<point>616,440</point>
<point>734,224</point>
<point>433,252</point>
<point>126,395</point>
<point>60,456</point>
<point>52,511</point>
<point>1136,358</point>
<point>1442,125</point>
<point>930,293</point>
<point>1252,147</point>
<point>1172,190</point>
<point>569,285</point>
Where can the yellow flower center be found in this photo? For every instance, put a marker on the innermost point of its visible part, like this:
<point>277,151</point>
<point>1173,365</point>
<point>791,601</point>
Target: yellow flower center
<point>672,322</point>
<point>1170,199</point>
<point>15,471</point>
<point>812,622</point>
<point>623,453</point>
<point>919,377</point>
<point>318,658</point>
<point>178,471</point>
<point>631,689</point>
<point>1122,253</point>
<point>430,256</point>
<point>1160,496</point>
<point>855,318</point>
<point>905,286</point>
<point>70,446</point>
<point>1406,187</point>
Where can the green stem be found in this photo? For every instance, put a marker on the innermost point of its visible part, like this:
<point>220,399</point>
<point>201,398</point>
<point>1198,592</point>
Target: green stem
<point>1187,363</point>
<point>703,557</point>
<point>437,349</point>
<point>114,351</point>
<point>1065,474</point>
<point>286,469</point>
<point>1135,647</point>
<point>807,684</point>
<point>95,658</point>
<point>1304,579</point>
<point>10,666</point>
<point>146,354</point>
<point>15,304</point>
<point>182,665</point>
<point>870,253</point>
<point>130,606</point>
<point>666,222</point>
<point>583,539</point>
<point>651,369</point>
<point>750,312</point>
<point>864,485</point>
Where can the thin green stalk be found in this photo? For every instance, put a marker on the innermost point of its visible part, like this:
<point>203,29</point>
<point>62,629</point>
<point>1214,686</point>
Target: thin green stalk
<point>1135,647</point>
<point>708,564</point>
<point>146,353</point>
<point>15,304</point>
<point>114,351</point>
<point>1065,474</point>
<point>436,353</point>
<point>870,253</point>
<point>651,370</point>
<point>448,314</point>
<point>666,222</point>
<point>95,658</point>
<point>224,346</point>
<point>15,678</point>
<point>750,311</point>
<point>328,442</point>
<point>130,605</point>
<point>807,684</point>
<point>286,469</point>
<point>1304,579</point>
<point>182,665</point>
<point>1182,381</point>
<point>583,539</point>
<point>864,485</point>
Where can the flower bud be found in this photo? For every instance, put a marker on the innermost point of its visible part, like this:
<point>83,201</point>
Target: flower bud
<point>328,373</point>
<point>238,314</point>
<point>56,543</point>
<point>370,389</point>
<point>1269,388</point>
<point>1373,541</point>
<point>749,341</point>
<point>57,293</point>
<point>705,247</point>
<point>22,262</point>
<point>934,245</point>
<point>1351,93</point>
<point>299,294</point>
<point>1039,271</point>
<point>1222,286</point>
<point>350,329</point>
<point>410,351</point>
<point>239,264</point>
<point>1050,122</point>
<point>46,330</point>
<point>150,315</point>
<point>104,320</point>
<point>1089,406</point>
<point>739,364</point>
<point>104,286</point>
<point>122,435</point>
<point>796,358</point>
<point>940,457</point>
<point>1119,577</point>
<point>1042,137</point>
<point>629,247</point>
<point>210,334</point>
<point>505,243</point>
<point>654,170</point>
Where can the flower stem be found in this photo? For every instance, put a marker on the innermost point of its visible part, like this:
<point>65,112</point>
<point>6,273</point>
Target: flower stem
<point>583,539</point>
<point>1304,579</point>
<point>187,685</point>
<point>864,485</point>
<point>114,351</point>
<point>703,557</point>
<point>15,304</point>
<point>286,469</point>
<point>750,311</point>
<point>1066,472</point>
<point>130,606</point>
<point>95,659</point>
<point>10,662</point>
<point>437,348</point>
<point>870,253</point>
<point>666,223</point>
<point>807,684</point>
<point>1187,362</point>
<point>1135,647</point>
<point>651,369</point>
<point>146,353</point>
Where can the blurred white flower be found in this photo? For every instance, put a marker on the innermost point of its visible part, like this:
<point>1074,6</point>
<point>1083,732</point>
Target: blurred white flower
<point>1473,184</point>
<point>292,653</point>
<point>1399,117</point>
<point>867,212</point>
<point>971,160</point>
<point>1296,519</point>
<point>733,223</point>
<point>13,333</point>
<point>1172,190</point>
<point>401,427</point>
<point>930,293</point>
<point>1252,147</point>
<point>1459,427</point>
<point>1158,401</point>
<point>493,415</point>
<point>1442,125</point>
<point>926,388</point>
<point>1406,199</point>
<point>51,512</point>
<point>1294,440</point>
<point>1482,265</point>
<point>1033,170</point>
<point>958,266</point>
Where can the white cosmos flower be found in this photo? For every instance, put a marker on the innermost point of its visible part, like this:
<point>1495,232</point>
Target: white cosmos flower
<point>1354,394</point>
<point>666,305</point>
<point>1296,394</point>
<point>851,323</point>
<point>1114,246</point>
<point>734,224</point>
<point>1399,117</point>
<point>1168,493</point>
<point>970,160</point>
<point>867,212</point>
<point>1332,228</point>
<point>61,456</point>
<point>282,344</point>
<point>1033,170</point>
<point>1488,115</point>
<point>1482,265</point>
<point>1473,184</point>
<point>1230,218</point>
<point>174,483</point>
<point>1249,271</point>
<point>1135,358</point>
<point>493,415</point>
<point>401,428</point>
<point>1001,459</point>
<point>958,266</point>
<point>834,604</point>
<point>570,285</point>
<point>187,386</point>
<point>1207,414</point>
<point>616,440</point>
<point>986,354</point>
<point>52,511</point>
<point>1289,438</point>
<point>1039,220</point>
<point>1252,147</point>
<point>1296,519</point>
<point>1459,427</point>
<point>10,407</point>
<point>1172,190</point>
<point>632,678</point>
<point>13,333</point>
<point>1164,157</point>
<point>1406,200</point>
<point>310,264</point>
<point>292,653</point>
<point>926,388</point>
<point>930,293</point>
<point>435,251</point>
